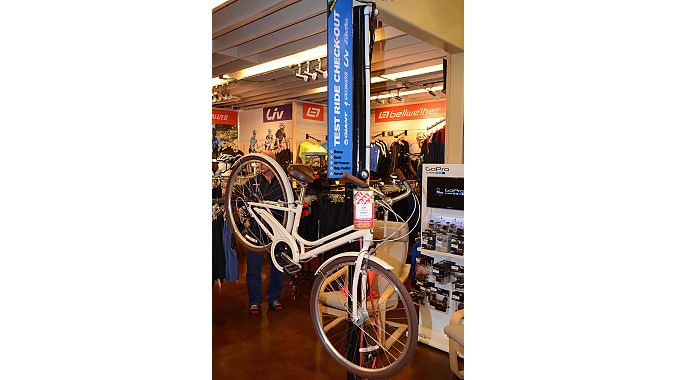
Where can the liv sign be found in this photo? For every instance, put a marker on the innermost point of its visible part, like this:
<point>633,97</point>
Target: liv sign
<point>339,35</point>
<point>277,113</point>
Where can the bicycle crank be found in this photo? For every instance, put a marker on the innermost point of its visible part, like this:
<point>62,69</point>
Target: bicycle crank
<point>282,252</point>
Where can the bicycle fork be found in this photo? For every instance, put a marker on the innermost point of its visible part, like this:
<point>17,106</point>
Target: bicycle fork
<point>359,315</point>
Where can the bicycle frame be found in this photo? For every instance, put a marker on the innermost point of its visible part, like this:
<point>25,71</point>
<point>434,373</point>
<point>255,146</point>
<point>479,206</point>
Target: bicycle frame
<point>261,210</point>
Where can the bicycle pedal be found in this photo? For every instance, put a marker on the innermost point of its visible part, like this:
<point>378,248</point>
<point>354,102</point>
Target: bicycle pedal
<point>291,269</point>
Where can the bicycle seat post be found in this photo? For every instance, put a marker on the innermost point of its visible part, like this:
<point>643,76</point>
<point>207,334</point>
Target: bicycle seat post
<point>303,187</point>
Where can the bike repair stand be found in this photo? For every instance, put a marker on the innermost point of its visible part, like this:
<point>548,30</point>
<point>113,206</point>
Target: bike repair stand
<point>361,94</point>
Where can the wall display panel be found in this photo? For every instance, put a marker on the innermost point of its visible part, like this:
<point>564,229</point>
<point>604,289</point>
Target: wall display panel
<point>257,135</point>
<point>224,131</point>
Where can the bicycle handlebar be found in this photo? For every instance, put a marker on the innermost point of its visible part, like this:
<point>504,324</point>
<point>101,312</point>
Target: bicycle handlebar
<point>405,194</point>
<point>354,180</point>
<point>400,175</point>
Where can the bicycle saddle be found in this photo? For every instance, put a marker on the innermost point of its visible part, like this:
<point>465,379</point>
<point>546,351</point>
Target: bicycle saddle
<point>302,173</point>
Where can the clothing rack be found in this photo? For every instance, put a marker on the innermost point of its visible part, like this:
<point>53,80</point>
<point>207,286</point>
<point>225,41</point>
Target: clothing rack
<point>381,134</point>
<point>437,123</point>
<point>307,137</point>
<point>216,211</point>
<point>404,133</point>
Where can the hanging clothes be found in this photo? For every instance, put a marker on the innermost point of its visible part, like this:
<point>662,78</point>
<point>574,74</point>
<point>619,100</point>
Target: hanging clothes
<point>230,255</point>
<point>399,150</point>
<point>309,146</point>
<point>374,152</point>
<point>217,251</point>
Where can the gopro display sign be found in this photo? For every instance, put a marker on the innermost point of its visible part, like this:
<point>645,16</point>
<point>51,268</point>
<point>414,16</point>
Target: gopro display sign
<point>340,67</point>
<point>448,193</point>
<point>443,187</point>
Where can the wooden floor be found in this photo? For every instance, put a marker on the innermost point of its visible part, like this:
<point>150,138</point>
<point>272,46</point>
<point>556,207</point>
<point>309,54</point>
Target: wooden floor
<point>283,345</point>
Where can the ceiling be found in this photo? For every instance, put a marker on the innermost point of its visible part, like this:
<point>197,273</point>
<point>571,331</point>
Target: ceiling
<point>247,33</point>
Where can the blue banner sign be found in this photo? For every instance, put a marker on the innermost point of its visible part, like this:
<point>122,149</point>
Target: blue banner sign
<point>339,32</point>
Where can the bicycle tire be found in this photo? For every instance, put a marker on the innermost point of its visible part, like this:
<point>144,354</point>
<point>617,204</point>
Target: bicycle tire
<point>411,313</point>
<point>232,197</point>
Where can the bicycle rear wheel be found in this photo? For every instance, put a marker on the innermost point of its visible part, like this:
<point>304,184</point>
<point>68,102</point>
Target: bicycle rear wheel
<point>387,334</point>
<point>248,182</point>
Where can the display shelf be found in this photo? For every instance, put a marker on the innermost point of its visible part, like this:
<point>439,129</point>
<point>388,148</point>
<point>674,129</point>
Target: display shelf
<point>446,212</point>
<point>436,339</point>
<point>431,252</point>
<point>431,321</point>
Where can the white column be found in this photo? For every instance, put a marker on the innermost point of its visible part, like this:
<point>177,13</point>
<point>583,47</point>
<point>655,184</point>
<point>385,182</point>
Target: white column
<point>454,144</point>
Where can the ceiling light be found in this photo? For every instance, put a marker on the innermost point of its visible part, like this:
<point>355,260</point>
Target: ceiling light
<point>410,73</point>
<point>376,98</point>
<point>398,96</point>
<point>407,73</point>
<point>308,73</point>
<point>216,81</point>
<point>318,69</point>
<point>299,75</point>
<point>317,90</point>
<point>409,92</point>
<point>290,60</point>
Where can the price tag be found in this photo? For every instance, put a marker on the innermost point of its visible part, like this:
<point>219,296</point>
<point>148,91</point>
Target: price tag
<point>364,209</point>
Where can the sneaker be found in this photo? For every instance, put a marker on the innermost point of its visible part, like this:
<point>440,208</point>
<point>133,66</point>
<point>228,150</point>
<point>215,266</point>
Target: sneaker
<point>276,305</point>
<point>254,309</point>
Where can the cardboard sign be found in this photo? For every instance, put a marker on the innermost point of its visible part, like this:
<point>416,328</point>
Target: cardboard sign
<point>223,116</point>
<point>411,111</point>
<point>313,112</point>
<point>364,209</point>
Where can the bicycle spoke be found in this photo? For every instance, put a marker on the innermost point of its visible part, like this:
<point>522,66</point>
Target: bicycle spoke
<point>371,330</point>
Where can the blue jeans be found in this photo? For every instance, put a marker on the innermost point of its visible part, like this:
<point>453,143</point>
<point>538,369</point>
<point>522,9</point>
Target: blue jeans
<point>254,282</point>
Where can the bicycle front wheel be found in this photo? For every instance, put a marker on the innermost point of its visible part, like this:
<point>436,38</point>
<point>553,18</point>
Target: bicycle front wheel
<point>382,342</point>
<point>256,178</point>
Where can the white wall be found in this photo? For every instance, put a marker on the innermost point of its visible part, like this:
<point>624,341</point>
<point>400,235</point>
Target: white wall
<point>248,121</point>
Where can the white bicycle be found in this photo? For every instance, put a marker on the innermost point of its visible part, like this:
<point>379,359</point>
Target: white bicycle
<point>361,312</point>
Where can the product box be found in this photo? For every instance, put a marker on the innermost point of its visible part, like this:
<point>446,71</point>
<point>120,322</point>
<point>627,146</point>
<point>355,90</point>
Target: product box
<point>442,272</point>
<point>453,246</point>
<point>441,242</point>
<point>439,304</point>
<point>429,240</point>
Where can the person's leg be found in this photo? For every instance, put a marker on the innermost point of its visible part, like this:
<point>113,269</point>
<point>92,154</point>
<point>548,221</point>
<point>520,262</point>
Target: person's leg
<point>275,284</point>
<point>254,283</point>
